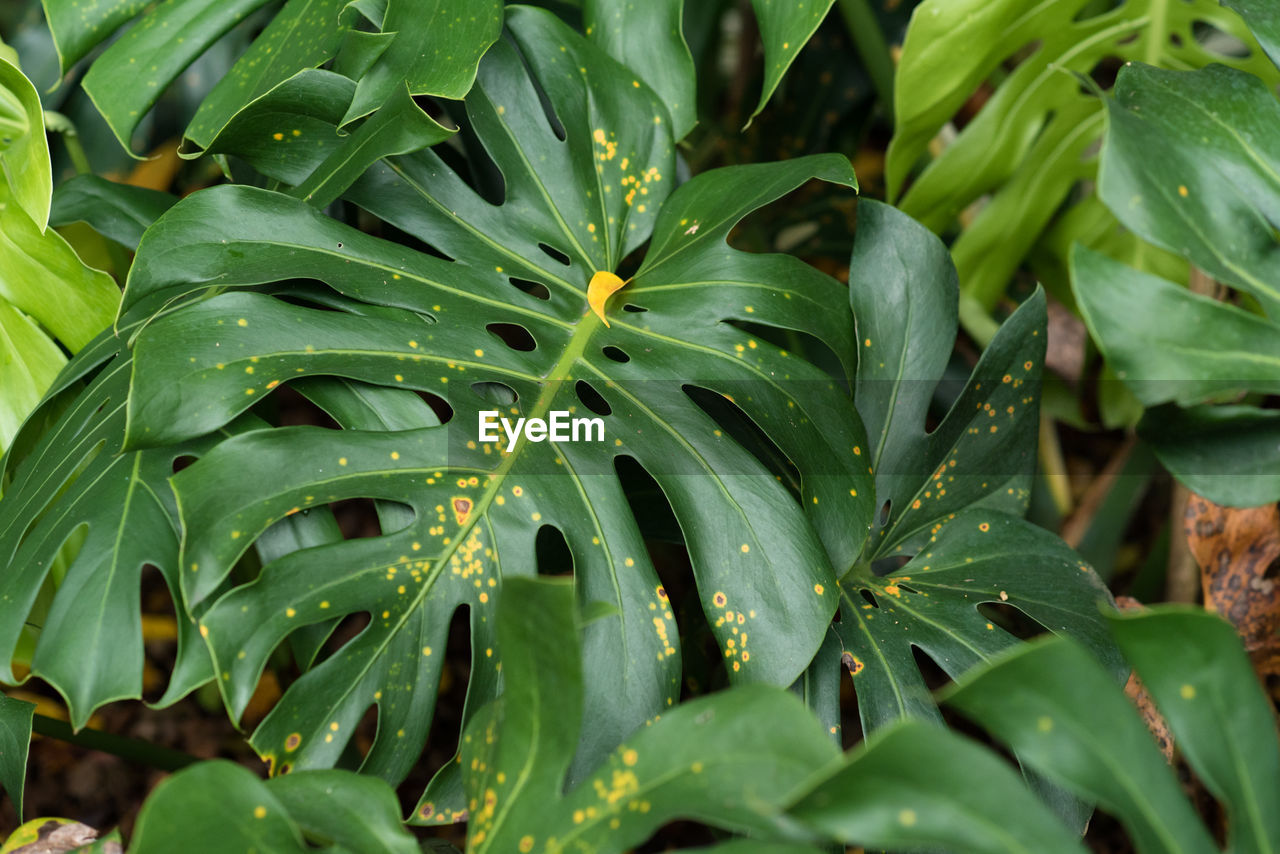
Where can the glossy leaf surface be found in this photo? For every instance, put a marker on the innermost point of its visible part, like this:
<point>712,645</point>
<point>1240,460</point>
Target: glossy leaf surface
<point>15,739</point>
<point>230,810</point>
<point>408,321</point>
<point>730,760</point>
<point>946,495</point>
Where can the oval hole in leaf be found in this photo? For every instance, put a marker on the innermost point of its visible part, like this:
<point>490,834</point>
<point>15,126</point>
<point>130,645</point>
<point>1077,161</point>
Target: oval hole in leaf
<point>554,254</point>
<point>533,289</point>
<point>552,551</point>
<point>743,430</point>
<point>592,399</point>
<point>869,596</point>
<point>1012,620</point>
<point>438,405</point>
<point>357,518</point>
<point>495,392</point>
<point>614,353</point>
<point>445,732</point>
<point>181,462</point>
<point>513,335</point>
<point>634,309</point>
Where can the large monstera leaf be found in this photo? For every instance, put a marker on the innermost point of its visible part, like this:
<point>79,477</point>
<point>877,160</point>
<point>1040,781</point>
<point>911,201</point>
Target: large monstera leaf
<point>949,499</point>
<point>503,316</point>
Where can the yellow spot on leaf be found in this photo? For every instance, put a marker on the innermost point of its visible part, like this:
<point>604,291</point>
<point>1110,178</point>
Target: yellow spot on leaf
<point>260,811</point>
<point>1188,692</point>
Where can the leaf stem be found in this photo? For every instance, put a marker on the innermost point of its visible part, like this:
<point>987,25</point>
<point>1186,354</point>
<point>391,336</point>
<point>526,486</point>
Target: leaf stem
<point>131,749</point>
<point>869,39</point>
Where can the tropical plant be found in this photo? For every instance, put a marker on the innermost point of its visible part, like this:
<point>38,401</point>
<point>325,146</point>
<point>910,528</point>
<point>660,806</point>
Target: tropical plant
<point>47,294</point>
<point>1018,174</point>
<point>1190,165</point>
<point>1065,716</point>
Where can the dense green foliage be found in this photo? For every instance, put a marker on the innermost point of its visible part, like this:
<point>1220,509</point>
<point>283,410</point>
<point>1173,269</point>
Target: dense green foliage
<point>381,222</point>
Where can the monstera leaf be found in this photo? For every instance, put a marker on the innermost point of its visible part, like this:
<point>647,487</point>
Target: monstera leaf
<point>1034,139</point>
<point>1190,164</point>
<point>500,323</point>
<point>433,49</point>
<point>950,498</point>
<point>731,759</point>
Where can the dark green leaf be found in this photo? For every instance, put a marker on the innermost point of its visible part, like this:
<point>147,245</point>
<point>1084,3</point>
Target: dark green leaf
<point>1192,664</point>
<point>1169,344</point>
<point>785,27</point>
<point>407,321</point>
<point>917,786</point>
<point>1192,163</point>
<point>15,738</point>
<point>1069,719</point>
<point>227,809</point>
<point>649,38</point>
<point>1263,21</point>
<point>118,211</point>
<point>435,50</point>
<point>399,127</point>
<point>730,760</point>
<point>90,636</point>
<point>1226,453</point>
<point>304,34</point>
<point>129,76</point>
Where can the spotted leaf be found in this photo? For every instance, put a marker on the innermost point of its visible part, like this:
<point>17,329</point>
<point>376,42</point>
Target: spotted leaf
<point>731,759</point>
<point>945,540</point>
<point>501,324</point>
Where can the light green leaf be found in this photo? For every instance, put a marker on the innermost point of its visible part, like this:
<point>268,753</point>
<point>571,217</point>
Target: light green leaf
<point>24,151</point>
<point>29,362</point>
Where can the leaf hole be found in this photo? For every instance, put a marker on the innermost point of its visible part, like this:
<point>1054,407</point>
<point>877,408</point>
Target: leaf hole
<point>182,461</point>
<point>1218,41</point>
<point>869,597</point>
<point>554,254</point>
<point>591,398</point>
<point>616,354</point>
<point>443,411</point>
<point>634,309</point>
<point>513,335</point>
<point>552,552</point>
<point>743,429</point>
<point>935,675</point>
<point>884,512</point>
<point>533,289</point>
<point>1012,620</point>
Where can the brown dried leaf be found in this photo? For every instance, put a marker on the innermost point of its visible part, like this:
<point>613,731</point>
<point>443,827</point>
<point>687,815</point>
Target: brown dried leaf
<point>1138,695</point>
<point>1235,549</point>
